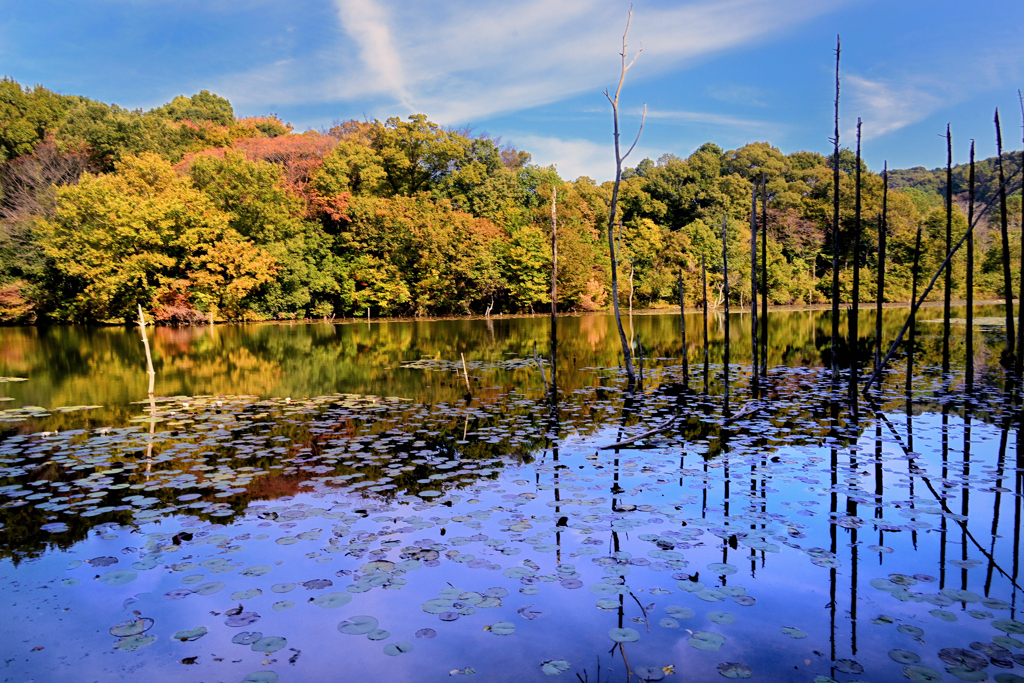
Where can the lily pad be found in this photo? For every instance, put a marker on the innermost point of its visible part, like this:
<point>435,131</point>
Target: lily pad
<point>269,644</point>
<point>904,656</point>
<point>332,600</point>
<point>246,638</point>
<point>209,588</point>
<point>242,619</point>
<point>735,670</point>
<point>793,632</point>
<point>723,618</point>
<point>966,673</point>
<point>437,606</point>
<point>283,587</point>
<point>1007,642</point>
<point>1009,626</point>
<point>959,657</point>
<point>261,677</point>
<point>555,667</point>
<point>711,595</point>
<point>849,666</point>
<point>957,595</point>
<point>191,634</point>
<point>133,643</point>
<point>258,570</point>
<point>358,626</point>
<point>624,635</point>
<point>703,640</point>
<point>131,628</point>
<point>395,649</point>
<point>921,674</point>
<point>119,577</point>
<point>502,628</point>
<point>678,612</point>
<point>690,586</point>
<point>282,605</point>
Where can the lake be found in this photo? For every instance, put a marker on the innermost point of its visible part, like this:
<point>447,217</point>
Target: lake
<point>410,501</point>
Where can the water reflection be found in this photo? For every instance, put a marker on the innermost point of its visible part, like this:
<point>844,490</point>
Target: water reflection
<point>75,366</point>
<point>413,522</point>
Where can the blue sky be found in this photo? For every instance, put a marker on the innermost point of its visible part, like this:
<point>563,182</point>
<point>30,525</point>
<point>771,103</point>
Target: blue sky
<point>533,72</point>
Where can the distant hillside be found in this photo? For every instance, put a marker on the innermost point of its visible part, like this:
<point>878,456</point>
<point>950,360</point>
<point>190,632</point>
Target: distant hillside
<point>986,174</point>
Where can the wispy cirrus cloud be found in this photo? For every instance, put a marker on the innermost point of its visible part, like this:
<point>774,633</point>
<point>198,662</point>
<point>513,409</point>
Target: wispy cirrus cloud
<point>468,60</point>
<point>572,157</point>
<point>711,119</point>
<point>887,107</point>
<point>368,25</point>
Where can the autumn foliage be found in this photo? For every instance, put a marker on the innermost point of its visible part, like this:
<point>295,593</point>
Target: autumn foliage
<point>196,214</point>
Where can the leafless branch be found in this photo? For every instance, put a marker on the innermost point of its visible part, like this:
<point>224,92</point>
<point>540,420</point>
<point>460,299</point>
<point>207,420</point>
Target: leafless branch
<point>643,118</point>
<point>664,426</point>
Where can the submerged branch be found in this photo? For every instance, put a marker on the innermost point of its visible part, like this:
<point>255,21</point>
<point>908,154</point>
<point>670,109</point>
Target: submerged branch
<point>663,427</point>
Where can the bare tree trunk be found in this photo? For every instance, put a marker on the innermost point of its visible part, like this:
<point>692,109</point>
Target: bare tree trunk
<point>753,282</point>
<point>931,285</point>
<point>1004,236</point>
<point>764,274</point>
<point>682,330</point>
<point>854,323</point>
<point>913,314</point>
<point>969,342</point>
<point>554,256</point>
<point>619,157</point>
<point>554,292</point>
<point>1019,360</point>
<point>880,287</point>
<point>948,286</point>
<point>704,286</point>
<point>149,358</point>
<point>631,333</point>
<point>725,280</point>
<point>835,230</point>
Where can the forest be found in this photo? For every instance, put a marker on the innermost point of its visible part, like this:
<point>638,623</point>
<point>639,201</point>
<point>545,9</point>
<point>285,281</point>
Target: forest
<point>197,215</point>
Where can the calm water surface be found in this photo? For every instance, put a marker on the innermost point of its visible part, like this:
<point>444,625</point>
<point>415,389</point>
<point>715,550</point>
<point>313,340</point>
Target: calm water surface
<point>329,503</point>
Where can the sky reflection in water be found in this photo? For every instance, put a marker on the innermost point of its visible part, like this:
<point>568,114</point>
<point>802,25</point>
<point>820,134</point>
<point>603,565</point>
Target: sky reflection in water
<point>492,538</point>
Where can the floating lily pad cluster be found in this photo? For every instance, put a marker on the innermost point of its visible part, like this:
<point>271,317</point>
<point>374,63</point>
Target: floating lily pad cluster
<point>377,523</point>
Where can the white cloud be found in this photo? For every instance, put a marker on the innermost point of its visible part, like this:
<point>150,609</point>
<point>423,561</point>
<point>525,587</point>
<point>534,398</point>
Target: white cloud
<point>367,24</point>
<point>467,60</point>
<point>732,122</point>
<point>572,158</point>
<point>886,107</point>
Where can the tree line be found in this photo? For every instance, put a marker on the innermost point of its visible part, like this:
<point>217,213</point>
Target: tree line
<point>195,215</point>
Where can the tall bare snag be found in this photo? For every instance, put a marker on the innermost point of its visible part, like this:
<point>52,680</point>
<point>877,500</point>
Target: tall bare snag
<point>619,158</point>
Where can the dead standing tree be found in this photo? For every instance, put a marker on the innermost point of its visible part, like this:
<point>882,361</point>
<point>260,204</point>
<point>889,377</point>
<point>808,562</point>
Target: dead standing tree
<point>619,158</point>
<point>835,231</point>
<point>554,292</point>
<point>1005,239</point>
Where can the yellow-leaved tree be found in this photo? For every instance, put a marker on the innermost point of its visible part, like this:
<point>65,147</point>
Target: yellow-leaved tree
<point>145,235</point>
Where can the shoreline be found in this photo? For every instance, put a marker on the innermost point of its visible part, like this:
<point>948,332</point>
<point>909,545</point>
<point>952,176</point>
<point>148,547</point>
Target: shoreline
<point>665,310</point>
